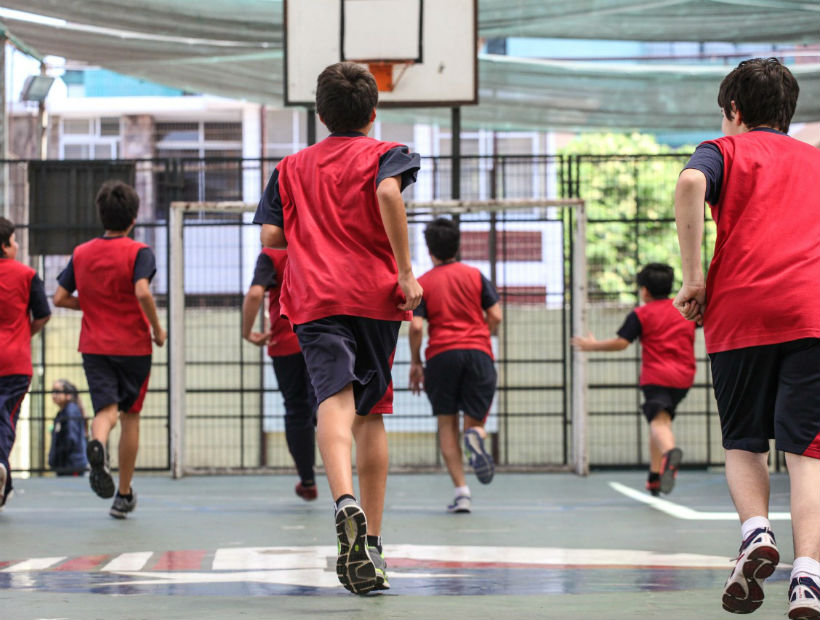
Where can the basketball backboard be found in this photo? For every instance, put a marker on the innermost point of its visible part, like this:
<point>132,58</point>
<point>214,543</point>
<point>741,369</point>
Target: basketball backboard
<point>422,52</point>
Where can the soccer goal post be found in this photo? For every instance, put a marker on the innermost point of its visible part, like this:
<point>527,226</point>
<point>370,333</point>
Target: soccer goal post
<point>574,243</point>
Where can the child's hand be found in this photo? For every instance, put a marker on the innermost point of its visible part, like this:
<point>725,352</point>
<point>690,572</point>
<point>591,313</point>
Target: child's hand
<point>260,339</point>
<point>412,292</point>
<point>416,378</point>
<point>159,336</point>
<point>691,302</point>
<point>584,343</point>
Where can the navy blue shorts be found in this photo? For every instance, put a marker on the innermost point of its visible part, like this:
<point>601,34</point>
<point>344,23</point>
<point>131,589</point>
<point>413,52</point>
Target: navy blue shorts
<point>13,389</point>
<point>657,398</point>
<point>342,349</point>
<point>294,384</point>
<point>460,380</point>
<point>771,391</point>
<point>117,379</point>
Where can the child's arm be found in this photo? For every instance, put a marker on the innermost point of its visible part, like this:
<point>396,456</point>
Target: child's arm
<point>493,316</point>
<point>38,324</point>
<point>589,343</point>
<point>394,218</point>
<point>64,299</point>
<point>273,237</point>
<point>146,300</point>
<point>250,310</point>
<point>690,194</point>
<point>416,335</point>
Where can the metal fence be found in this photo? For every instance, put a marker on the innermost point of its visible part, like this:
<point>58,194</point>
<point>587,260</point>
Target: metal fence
<point>233,408</point>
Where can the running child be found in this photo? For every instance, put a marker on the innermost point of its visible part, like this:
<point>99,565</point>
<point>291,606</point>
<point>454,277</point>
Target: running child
<point>23,312</point>
<point>462,310</point>
<point>760,309</point>
<point>288,366</point>
<point>112,276</point>
<point>348,284</point>
<point>667,367</point>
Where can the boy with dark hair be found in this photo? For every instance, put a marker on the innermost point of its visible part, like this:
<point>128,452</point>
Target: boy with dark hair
<point>112,276</point>
<point>23,312</point>
<point>348,284</point>
<point>462,310</point>
<point>667,367</point>
<point>288,366</point>
<point>763,344</point>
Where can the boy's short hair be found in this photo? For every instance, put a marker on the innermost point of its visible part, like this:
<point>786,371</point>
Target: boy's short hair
<point>6,231</point>
<point>443,238</point>
<point>658,279</point>
<point>346,95</point>
<point>117,204</point>
<point>764,91</point>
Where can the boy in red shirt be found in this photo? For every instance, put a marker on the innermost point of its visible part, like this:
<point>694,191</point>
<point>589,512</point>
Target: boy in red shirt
<point>760,310</point>
<point>288,366</point>
<point>112,276</point>
<point>348,284</point>
<point>462,309</point>
<point>23,312</point>
<point>667,367</point>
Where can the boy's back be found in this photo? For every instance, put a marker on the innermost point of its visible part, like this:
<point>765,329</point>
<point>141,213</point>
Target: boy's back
<point>667,344</point>
<point>15,324</point>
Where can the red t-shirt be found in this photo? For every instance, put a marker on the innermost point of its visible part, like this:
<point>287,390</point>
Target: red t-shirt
<point>455,297</point>
<point>667,343</point>
<point>283,341</point>
<point>113,321</point>
<point>15,322</point>
<point>339,257</point>
<point>763,285</point>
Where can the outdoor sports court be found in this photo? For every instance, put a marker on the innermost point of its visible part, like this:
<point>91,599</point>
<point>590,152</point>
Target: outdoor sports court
<point>535,546</point>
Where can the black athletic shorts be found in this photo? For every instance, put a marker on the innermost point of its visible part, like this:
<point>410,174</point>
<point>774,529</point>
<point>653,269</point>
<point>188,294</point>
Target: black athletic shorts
<point>460,380</point>
<point>120,379</point>
<point>294,384</point>
<point>657,398</point>
<point>767,392</point>
<point>346,349</point>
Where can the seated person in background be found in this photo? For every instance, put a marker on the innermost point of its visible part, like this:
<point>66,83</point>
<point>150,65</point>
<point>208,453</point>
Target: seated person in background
<point>68,435</point>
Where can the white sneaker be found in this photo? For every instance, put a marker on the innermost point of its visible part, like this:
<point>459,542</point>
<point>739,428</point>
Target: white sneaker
<point>461,503</point>
<point>758,557</point>
<point>4,474</point>
<point>804,599</point>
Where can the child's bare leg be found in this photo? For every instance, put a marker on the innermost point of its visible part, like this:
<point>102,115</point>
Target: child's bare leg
<point>747,474</point>
<point>129,445</point>
<point>804,477</point>
<point>335,439</point>
<point>104,420</point>
<point>371,465</point>
<point>661,439</point>
<point>475,424</point>
<point>450,444</point>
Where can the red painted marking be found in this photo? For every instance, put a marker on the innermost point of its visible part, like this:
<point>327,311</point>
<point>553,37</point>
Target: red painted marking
<point>180,560</point>
<point>4,564</point>
<point>82,563</point>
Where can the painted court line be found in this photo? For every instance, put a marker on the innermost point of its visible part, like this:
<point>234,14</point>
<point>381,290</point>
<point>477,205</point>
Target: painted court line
<point>128,562</point>
<point>33,564</point>
<point>684,512</point>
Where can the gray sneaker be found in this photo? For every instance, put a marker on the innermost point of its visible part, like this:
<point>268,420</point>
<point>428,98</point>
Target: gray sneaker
<point>381,568</point>
<point>122,505</point>
<point>480,459</point>
<point>354,566</point>
<point>100,477</point>
<point>461,504</point>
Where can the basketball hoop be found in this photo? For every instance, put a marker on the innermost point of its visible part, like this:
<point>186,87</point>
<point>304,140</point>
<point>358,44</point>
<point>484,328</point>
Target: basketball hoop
<point>384,72</point>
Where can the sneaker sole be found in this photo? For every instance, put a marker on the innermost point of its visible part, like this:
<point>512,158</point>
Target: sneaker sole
<point>100,480</point>
<point>354,568</point>
<point>480,460</point>
<point>804,613</point>
<point>759,566</point>
<point>668,476</point>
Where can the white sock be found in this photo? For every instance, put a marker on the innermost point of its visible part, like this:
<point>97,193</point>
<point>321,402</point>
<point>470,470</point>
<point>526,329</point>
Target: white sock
<point>465,490</point>
<point>805,566</point>
<point>750,525</point>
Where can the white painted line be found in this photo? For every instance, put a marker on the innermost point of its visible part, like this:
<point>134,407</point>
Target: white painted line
<point>684,512</point>
<point>128,561</point>
<point>33,564</point>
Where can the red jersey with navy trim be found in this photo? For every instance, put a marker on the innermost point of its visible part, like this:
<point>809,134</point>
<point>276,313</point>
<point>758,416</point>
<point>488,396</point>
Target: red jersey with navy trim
<point>452,300</point>
<point>113,321</point>
<point>339,257</point>
<point>763,285</point>
<point>283,341</point>
<point>667,345</point>
<point>15,322</point>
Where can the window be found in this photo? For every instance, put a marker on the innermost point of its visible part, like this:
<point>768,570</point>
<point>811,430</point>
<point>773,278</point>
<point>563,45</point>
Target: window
<point>89,138</point>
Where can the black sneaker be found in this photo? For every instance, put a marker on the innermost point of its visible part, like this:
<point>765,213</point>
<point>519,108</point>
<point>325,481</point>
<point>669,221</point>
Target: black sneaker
<point>354,566</point>
<point>122,505</point>
<point>480,459</point>
<point>382,583</point>
<point>669,469</point>
<point>100,477</point>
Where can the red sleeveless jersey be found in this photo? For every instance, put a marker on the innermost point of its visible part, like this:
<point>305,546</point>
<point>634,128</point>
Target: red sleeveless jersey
<point>113,321</point>
<point>283,341</point>
<point>339,258</point>
<point>667,345</point>
<point>763,285</point>
<point>452,298</point>
<point>15,322</point>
